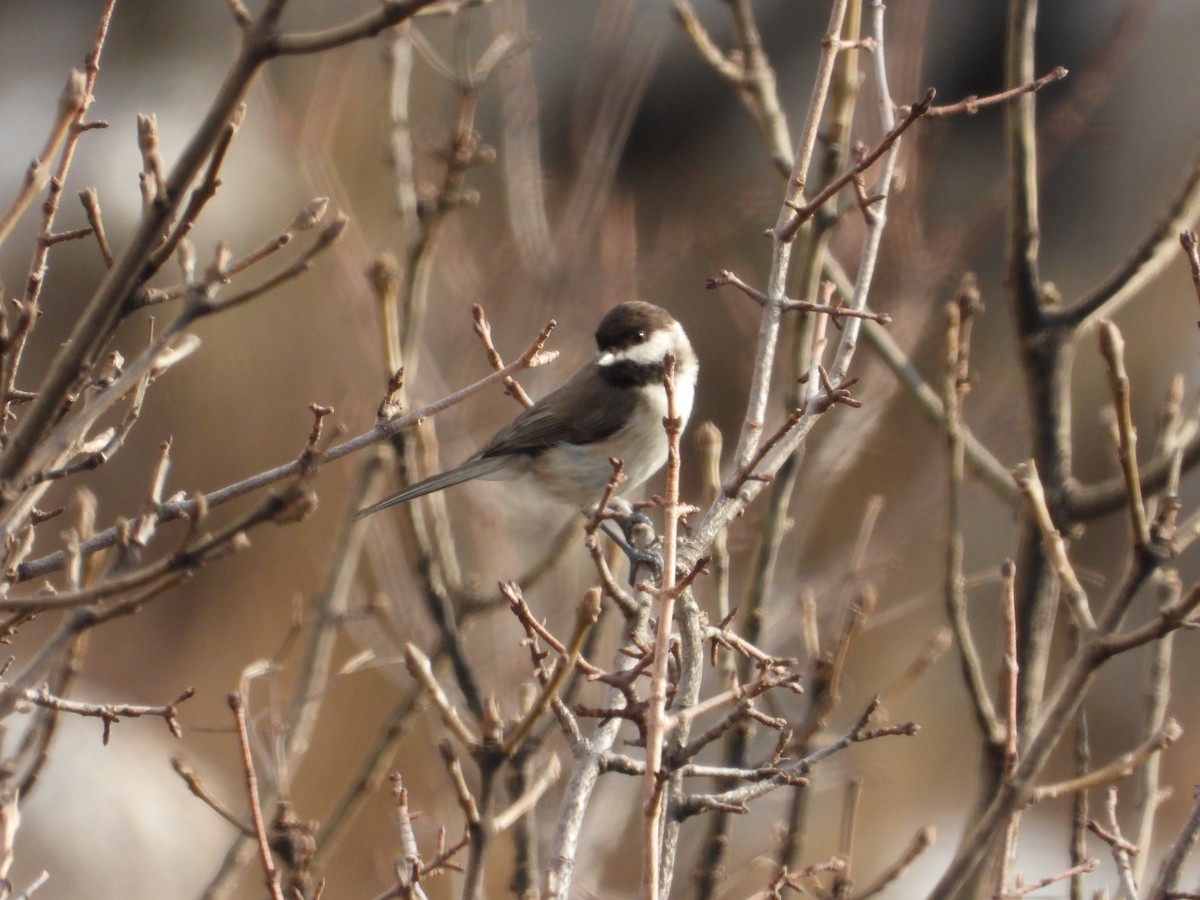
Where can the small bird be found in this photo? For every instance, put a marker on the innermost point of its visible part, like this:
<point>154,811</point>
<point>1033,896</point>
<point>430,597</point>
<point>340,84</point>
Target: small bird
<point>612,407</point>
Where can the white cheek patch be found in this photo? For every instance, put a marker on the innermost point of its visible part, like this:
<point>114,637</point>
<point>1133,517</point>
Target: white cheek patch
<point>650,352</point>
<point>661,343</point>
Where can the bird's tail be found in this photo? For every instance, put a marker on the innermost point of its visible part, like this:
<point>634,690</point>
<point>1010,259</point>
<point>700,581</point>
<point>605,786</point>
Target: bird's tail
<point>472,468</point>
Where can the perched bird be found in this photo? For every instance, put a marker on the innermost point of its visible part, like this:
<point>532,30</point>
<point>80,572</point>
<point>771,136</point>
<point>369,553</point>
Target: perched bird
<point>612,407</point>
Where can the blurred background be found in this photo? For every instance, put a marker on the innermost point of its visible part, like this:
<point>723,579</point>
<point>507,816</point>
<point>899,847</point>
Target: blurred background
<point>655,179</point>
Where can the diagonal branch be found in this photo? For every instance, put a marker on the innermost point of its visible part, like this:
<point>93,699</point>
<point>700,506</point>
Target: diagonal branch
<point>181,509</point>
<point>1145,263</point>
<point>261,42</point>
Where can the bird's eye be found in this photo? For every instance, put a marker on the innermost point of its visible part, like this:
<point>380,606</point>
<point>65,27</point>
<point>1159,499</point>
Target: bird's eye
<point>640,337</point>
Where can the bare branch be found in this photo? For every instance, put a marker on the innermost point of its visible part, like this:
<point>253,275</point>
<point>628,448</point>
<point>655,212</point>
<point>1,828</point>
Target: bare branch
<point>183,509</point>
<point>108,713</point>
<point>1120,767</point>
<point>422,671</point>
<point>72,102</point>
<point>805,212</point>
<point>971,105</point>
<point>238,705</point>
<point>1112,345</point>
<point>1055,547</point>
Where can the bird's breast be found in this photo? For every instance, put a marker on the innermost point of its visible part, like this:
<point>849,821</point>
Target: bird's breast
<point>578,473</point>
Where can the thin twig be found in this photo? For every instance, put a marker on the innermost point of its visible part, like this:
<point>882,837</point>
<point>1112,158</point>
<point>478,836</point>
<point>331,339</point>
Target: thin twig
<point>1172,865</point>
<point>956,383</point>
<point>29,309</point>
<point>72,102</point>
<point>192,779</point>
<point>1149,794</point>
<point>1055,548</point>
<point>1120,767</point>
<point>1088,865</point>
<point>1122,850</point>
<point>408,870</point>
<point>971,105</point>
<point>182,509</point>
<point>921,842</point>
<point>261,41</point>
<point>834,311</point>
<point>805,212</point>
<point>656,716</point>
<point>586,614</point>
<point>1191,249</point>
<point>1145,263</point>
<point>783,776</point>
<point>108,713</point>
<point>238,705</point>
<point>768,335</point>
<point>1112,345</point>
<point>547,775</point>
<point>421,670</point>
<point>484,329</point>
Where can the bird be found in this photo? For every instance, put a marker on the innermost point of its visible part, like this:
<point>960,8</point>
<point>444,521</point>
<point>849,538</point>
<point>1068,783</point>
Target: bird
<point>613,407</point>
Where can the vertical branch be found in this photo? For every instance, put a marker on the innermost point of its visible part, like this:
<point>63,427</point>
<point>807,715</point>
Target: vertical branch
<point>1021,141</point>
<point>709,437</point>
<point>1191,249</point>
<point>654,779</point>
<point>1082,748</point>
<point>1046,359</point>
<point>404,297</point>
<point>768,333</point>
<point>1112,345</point>
<point>875,210</point>
<point>955,386</point>
<point>756,87</point>
<point>408,872</point>
<point>814,235</point>
<point>589,754</point>
<point>1011,722</point>
<point>237,704</point>
<point>851,801</point>
<point>1148,793</point>
<point>691,674</point>
<point>523,881</point>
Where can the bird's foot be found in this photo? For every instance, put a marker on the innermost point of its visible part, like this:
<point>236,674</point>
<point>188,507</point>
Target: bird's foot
<point>637,540</point>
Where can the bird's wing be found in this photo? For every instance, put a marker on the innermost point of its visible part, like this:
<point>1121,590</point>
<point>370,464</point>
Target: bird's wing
<point>472,468</point>
<point>583,410</point>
